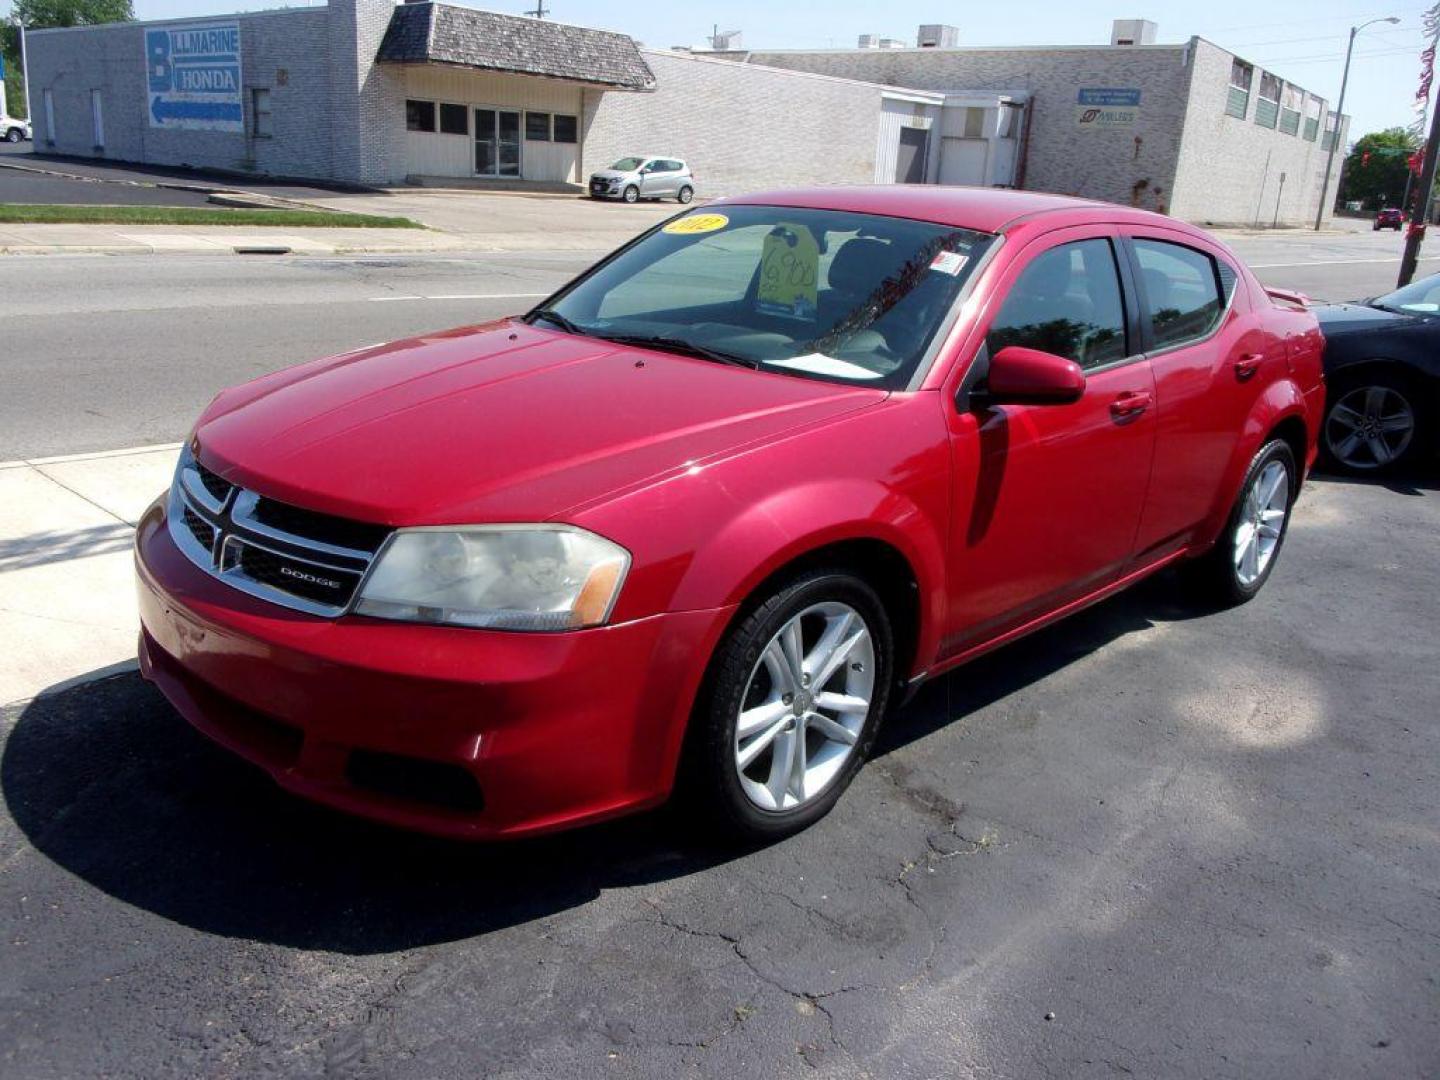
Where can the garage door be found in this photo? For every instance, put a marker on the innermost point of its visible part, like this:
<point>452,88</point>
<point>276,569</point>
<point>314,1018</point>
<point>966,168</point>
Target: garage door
<point>962,161</point>
<point>910,161</point>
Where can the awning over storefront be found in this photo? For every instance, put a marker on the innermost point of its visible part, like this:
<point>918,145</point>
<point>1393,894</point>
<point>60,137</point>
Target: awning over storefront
<point>431,33</point>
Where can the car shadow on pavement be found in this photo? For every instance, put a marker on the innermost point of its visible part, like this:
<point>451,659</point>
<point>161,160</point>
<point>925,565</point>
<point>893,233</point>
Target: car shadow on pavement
<point>106,780</point>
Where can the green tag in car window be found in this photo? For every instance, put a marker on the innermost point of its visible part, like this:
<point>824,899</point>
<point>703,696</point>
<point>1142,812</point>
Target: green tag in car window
<point>789,266</point>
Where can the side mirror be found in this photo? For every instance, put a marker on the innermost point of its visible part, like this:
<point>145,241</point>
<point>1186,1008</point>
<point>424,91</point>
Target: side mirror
<point>1021,376</point>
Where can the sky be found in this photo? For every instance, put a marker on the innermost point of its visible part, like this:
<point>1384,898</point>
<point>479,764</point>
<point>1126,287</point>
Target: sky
<point>1302,41</point>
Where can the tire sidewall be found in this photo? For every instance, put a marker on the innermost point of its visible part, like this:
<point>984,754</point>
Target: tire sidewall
<point>1275,450</point>
<point>684,196</point>
<point>631,194</point>
<point>732,666</point>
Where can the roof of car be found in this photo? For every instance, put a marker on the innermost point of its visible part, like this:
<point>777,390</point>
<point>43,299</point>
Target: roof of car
<point>982,209</point>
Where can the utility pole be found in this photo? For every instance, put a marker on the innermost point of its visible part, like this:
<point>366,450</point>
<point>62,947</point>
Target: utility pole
<point>539,11</point>
<point>25,75</point>
<point>1340,118</point>
<point>1415,232</point>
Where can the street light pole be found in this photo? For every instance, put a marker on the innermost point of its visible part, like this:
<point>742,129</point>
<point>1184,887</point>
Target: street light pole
<point>1340,115</point>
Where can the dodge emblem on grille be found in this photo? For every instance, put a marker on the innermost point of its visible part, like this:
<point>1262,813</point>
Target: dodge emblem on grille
<point>314,579</point>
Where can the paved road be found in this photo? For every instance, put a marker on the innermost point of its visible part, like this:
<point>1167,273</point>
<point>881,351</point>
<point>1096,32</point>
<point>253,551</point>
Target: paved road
<point>1142,843</point>
<point>105,352</point>
<point>20,186</point>
<point>125,351</point>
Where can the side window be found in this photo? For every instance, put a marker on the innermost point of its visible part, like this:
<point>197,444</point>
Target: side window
<point>1182,291</point>
<point>1067,302</point>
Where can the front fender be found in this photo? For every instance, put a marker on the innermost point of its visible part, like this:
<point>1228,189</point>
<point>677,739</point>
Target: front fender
<point>772,533</point>
<point>1282,400</point>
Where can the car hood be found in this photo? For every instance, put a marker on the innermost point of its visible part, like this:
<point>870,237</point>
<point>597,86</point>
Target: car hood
<point>504,422</point>
<point>612,174</point>
<point>1348,318</point>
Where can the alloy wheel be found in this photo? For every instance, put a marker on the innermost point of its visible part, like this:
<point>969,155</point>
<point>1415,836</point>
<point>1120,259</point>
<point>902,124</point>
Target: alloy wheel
<point>1262,522</point>
<point>1370,427</point>
<point>804,706</point>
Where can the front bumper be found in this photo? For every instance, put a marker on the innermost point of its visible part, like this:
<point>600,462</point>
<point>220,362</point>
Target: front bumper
<point>464,733</point>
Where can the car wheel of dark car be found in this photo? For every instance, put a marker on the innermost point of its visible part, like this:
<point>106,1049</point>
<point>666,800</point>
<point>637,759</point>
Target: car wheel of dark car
<point>795,694</point>
<point>632,194</point>
<point>1239,564</point>
<point>1372,423</point>
<point>685,194</point>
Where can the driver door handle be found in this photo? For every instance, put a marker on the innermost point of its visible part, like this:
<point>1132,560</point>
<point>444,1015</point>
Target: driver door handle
<point>1130,404</point>
<point>1248,364</point>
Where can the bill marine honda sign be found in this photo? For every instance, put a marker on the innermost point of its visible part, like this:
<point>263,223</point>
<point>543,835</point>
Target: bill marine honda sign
<point>193,76</point>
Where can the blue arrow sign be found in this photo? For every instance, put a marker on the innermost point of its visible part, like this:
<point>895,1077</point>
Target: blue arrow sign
<point>163,109</point>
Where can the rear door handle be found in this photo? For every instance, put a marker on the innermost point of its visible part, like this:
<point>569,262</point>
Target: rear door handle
<point>1131,403</point>
<point>1248,364</point>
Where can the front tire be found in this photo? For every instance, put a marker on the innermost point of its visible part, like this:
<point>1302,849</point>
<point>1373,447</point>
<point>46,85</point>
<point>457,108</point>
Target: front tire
<point>1239,564</point>
<point>632,194</point>
<point>792,702</point>
<point>1373,424</point>
<point>13,135</point>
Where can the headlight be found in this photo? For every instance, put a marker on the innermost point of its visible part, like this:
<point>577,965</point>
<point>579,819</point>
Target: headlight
<point>503,577</point>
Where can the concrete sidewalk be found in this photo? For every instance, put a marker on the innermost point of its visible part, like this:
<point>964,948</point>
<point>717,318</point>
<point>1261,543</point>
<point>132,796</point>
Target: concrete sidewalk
<point>67,584</point>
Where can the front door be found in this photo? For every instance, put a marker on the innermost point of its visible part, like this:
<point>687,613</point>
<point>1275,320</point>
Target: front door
<point>497,142</point>
<point>1048,497</point>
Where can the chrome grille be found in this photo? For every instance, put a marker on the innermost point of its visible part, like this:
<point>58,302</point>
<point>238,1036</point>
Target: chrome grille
<point>286,554</point>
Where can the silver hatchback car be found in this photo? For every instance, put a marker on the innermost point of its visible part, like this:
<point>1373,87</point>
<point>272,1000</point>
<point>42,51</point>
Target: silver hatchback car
<point>644,176</point>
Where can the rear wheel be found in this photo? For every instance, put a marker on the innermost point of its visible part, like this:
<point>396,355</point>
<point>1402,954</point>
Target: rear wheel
<point>1372,423</point>
<point>795,695</point>
<point>684,195</point>
<point>1239,564</point>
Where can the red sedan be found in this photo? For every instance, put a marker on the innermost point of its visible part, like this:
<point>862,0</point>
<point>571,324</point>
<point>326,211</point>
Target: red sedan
<point>718,505</point>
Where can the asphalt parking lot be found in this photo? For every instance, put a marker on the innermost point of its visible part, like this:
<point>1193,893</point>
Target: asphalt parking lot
<point>1144,842</point>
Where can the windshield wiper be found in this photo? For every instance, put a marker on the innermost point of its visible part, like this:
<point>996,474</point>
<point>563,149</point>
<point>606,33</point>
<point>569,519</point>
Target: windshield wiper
<point>553,316</point>
<point>680,345</point>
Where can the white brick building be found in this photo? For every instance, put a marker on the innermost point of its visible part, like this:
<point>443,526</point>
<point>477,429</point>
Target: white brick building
<point>373,92</point>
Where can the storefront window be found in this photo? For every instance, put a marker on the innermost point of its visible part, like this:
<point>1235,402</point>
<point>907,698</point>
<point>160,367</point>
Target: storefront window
<point>537,126</point>
<point>419,115</point>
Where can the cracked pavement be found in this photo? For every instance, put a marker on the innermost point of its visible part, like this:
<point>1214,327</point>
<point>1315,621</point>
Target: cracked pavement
<point>1143,842</point>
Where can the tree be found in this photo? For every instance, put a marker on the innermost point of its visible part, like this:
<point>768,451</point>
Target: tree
<point>43,14</point>
<point>1375,168</point>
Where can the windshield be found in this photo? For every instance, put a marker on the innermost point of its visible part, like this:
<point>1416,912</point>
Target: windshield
<point>628,164</point>
<point>853,298</point>
<point>1418,298</point>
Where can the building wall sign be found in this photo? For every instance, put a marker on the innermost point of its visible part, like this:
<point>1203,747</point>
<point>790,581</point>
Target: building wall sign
<point>1107,108</point>
<point>193,77</point>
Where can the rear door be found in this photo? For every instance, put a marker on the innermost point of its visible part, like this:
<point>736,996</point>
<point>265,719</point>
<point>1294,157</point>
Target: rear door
<point>1211,356</point>
<point>1048,498</point>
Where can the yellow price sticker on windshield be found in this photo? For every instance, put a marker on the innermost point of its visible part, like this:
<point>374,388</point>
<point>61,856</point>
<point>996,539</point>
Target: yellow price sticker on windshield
<point>697,223</point>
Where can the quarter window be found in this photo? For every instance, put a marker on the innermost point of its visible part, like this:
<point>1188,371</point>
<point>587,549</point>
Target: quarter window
<point>419,115</point>
<point>537,126</point>
<point>454,120</point>
<point>1066,302</point>
<point>1182,291</point>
